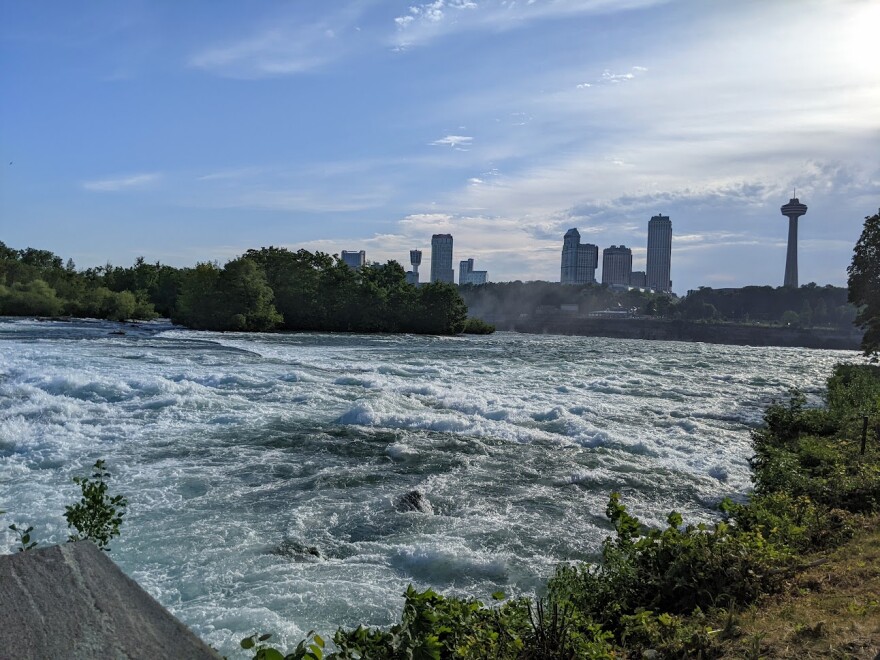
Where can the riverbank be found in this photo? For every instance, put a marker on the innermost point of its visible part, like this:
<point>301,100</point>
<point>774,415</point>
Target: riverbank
<point>692,331</point>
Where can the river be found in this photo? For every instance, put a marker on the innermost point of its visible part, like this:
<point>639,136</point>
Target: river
<point>263,472</point>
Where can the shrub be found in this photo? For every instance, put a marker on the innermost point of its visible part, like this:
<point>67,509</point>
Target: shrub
<point>477,327</point>
<point>672,570</point>
<point>97,516</point>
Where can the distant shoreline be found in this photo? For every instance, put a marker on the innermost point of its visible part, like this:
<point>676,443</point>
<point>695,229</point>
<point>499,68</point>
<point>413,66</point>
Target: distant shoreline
<point>689,331</point>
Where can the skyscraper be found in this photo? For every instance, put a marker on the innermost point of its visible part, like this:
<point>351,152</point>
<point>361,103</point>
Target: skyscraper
<point>441,258</point>
<point>579,260</point>
<point>467,274</point>
<point>354,259</point>
<point>637,279</point>
<point>617,263</point>
<point>657,270</point>
<point>793,210</point>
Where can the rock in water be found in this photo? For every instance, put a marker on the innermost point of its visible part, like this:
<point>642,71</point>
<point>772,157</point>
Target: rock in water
<point>413,501</point>
<point>296,551</point>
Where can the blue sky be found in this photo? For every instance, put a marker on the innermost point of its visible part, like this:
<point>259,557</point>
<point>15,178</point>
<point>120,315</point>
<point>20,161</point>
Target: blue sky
<point>192,131</point>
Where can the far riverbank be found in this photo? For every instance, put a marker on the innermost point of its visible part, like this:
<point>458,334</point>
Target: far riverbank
<point>690,331</point>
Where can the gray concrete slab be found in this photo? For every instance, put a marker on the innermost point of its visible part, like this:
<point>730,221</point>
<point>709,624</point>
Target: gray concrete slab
<point>72,601</point>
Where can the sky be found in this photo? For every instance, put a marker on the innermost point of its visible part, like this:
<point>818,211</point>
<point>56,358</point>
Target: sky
<point>193,131</point>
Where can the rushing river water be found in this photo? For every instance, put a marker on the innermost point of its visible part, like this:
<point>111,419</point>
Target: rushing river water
<point>239,452</point>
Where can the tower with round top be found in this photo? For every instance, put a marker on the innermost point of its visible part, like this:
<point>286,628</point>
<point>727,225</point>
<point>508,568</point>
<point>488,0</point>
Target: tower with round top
<point>793,210</point>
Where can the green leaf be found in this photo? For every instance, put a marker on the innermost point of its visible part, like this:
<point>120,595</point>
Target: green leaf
<point>264,637</point>
<point>247,642</point>
<point>270,654</point>
<point>498,595</point>
<point>319,641</point>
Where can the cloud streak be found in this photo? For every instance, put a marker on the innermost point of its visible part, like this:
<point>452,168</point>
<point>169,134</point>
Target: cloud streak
<point>115,184</point>
<point>283,46</point>
<point>426,21</point>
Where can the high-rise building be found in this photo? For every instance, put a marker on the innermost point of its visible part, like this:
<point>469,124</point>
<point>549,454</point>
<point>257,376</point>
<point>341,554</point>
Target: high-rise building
<point>657,269</point>
<point>354,259</point>
<point>793,210</point>
<point>579,260</point>
<point>441,258</point>
<point>467,274</point>
<point>637,279</point>
<point>415,258</point>
<point>617,262</point>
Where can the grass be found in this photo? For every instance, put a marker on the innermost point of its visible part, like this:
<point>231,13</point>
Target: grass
<point>828,611</point>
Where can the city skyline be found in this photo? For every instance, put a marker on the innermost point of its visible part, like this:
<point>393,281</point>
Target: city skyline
<point>186,132</point>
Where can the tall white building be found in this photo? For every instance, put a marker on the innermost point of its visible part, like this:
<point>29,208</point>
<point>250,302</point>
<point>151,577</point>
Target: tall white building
<point>441,258</point>
<point>354,259</point>
<point>657,271</point>
<point>617,263</point>
<point>579,260</point>
<point>467,274</point>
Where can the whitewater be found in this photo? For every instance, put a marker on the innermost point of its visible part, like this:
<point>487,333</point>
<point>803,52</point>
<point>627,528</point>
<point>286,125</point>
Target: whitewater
<point>264,472</point>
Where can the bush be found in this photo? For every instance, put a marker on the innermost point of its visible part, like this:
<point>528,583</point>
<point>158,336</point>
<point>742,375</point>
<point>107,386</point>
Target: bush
<point>97,516</point>
<point>673,570</point>
<point>36,298</point>
<point>477,327</point>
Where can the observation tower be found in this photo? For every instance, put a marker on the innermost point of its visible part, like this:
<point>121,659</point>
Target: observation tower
<point>793,210</point>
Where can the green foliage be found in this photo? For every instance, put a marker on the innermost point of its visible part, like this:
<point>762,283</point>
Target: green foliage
<point>864,283</point>
<point>854,390</point>
<point>275,288</point>
<point>439,310</point>
<point>35,283</point>
<point>670,636</point>
<point>673,570</point>
<point>24,536</point>
<point>97,516</point>
<point>477,327</point>
<point>311,648</point>
<point>804,306</point>
<point>794,522</point>
<point>816,453</point>
<point>34,298</point>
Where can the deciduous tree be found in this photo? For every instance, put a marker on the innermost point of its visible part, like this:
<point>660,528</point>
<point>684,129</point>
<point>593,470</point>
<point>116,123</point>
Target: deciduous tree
<point>864,283</point>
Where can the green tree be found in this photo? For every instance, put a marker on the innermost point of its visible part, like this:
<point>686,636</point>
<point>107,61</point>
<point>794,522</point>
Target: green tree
<point>864,283</point>
<point>198,304</point>
<point>246,298</point>
<point>439,310</point>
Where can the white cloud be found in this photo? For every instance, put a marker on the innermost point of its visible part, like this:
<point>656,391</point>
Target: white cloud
<point>454,141</point>
<point>427,21</point>
<point>122,182</point>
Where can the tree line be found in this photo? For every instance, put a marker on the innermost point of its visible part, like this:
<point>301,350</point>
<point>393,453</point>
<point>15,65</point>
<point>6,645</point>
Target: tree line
<point>262,290</point>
